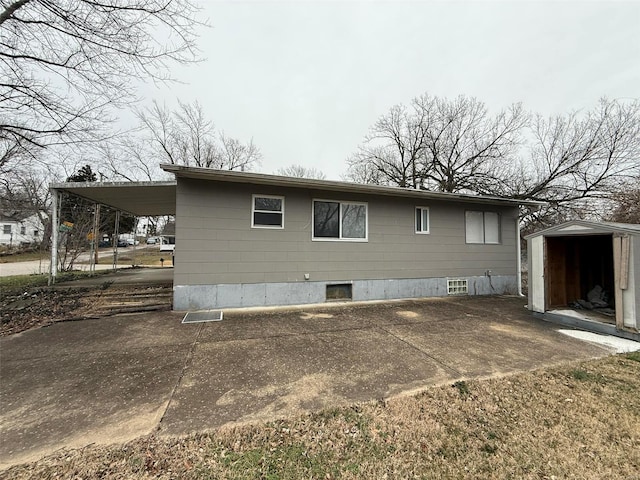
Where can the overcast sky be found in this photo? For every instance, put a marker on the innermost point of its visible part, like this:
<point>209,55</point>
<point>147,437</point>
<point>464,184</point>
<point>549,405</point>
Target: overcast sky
<point>306,80</point>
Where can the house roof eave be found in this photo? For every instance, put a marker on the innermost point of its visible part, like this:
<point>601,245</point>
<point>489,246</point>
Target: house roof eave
<point>182,171</point>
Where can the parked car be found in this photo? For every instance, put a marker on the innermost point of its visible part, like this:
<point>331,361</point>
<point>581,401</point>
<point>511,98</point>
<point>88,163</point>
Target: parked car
<point>105,242</point>
<point>122,242</point>
<point>152,241</point>
<point>132,241</point>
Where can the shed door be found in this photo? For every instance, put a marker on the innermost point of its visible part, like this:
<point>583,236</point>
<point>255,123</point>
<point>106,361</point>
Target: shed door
<point>536,274</point>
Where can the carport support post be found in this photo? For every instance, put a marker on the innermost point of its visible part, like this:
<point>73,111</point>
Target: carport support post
<point>55,229</point>
<point>116,235</point>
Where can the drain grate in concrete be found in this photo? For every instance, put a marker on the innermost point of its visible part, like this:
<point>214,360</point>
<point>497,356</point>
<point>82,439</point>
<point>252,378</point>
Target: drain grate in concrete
<point>205,316</point>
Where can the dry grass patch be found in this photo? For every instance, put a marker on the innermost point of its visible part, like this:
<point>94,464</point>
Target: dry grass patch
<point>577,421</point>
<point>147,256</point>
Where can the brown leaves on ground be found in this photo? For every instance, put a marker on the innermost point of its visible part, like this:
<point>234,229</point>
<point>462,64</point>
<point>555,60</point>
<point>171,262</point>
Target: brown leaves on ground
<point>36,308</point>
<point>577,421</point>
<point>21,311</point>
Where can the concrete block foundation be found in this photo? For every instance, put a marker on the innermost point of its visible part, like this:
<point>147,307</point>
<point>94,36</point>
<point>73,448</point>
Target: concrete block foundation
<point>205,297</point>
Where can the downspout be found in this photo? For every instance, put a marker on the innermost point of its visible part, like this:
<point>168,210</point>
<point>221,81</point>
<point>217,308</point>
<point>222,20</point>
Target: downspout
<point>519,254</point>
<point>55,228</point>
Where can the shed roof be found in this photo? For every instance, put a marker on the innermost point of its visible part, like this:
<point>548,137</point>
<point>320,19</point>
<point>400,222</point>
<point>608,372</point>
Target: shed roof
<point>181,171</point>
<point>585,227</point>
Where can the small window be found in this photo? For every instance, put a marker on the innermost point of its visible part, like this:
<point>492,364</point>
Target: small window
<point>36,233</point>
<point>23,230</point>
<point>482,227</point>
<point>267,211</point>
<point>422,220</point>
<point>6,229</point>
<point>339,220</point>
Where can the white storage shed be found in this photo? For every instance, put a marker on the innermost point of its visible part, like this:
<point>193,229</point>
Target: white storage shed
<point>592,268</point>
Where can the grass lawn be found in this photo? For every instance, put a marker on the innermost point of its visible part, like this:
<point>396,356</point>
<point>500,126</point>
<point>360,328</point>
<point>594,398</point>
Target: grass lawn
<point>579,420</point>
<point>25,257</point>
<point>143,255</point>
<point>15,283</point>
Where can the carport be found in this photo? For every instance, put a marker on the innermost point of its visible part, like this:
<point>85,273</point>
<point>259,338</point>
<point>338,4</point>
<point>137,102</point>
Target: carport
<point>140,199</point>
<point>587,267</point>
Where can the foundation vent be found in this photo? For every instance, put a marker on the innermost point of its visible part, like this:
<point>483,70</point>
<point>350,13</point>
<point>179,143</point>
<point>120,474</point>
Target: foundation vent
<point>457,286</point>
<point>340,291</point>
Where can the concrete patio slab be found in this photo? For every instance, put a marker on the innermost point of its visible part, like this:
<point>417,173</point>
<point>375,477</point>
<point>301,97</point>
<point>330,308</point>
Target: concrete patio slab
<point>113,379</point>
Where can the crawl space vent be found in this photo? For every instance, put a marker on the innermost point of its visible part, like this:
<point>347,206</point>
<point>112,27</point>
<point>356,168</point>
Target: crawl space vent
<point>457,286</point>
<point>204,316</point>
<point>340,291</point>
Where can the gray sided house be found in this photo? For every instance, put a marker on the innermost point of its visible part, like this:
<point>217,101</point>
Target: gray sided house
<point>245,239</point>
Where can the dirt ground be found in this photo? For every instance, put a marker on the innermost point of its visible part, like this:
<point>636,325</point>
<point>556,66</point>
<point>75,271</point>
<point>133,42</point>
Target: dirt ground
<point>38,307</point>
<point>580,420</point>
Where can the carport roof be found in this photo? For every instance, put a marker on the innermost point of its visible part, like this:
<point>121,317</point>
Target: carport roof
<point>137,198</point>
<point>159,198</point>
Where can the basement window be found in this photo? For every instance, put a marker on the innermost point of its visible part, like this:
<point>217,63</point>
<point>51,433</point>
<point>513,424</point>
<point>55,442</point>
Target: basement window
<point>339,291</point>
<point>267,211</point>
<point>457,286</point>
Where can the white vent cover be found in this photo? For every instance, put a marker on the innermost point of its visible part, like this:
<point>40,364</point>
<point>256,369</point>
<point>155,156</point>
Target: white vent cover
<point>457,286</point>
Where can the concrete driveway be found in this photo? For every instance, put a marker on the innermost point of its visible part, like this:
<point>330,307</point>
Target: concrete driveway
<point>113,379</point>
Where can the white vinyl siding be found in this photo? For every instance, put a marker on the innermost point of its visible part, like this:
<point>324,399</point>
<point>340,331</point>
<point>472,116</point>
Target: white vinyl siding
<point>267,211</point>
<point>334,220</point>
<point>482,227</point>
<point>422,219</point>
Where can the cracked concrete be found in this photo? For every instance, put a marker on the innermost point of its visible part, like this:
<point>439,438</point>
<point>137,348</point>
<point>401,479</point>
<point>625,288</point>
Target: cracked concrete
<point>114,379</point>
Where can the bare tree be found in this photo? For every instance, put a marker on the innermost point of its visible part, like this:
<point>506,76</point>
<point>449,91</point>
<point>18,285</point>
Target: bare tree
<point>393,151</point>
<point>438,144</point>
<point>186,137</point>
<point>465,146</point>
<point>24,180</point>
<point>300,171</point>
<point>576,162</point>
<point>63,62</point>
<point>627,203</point>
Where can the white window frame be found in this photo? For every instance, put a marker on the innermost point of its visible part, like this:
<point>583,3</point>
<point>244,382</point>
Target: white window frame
<point>339,238</point>
<point>254,210</point>
<point>415,220</point>
<point>484,228</point>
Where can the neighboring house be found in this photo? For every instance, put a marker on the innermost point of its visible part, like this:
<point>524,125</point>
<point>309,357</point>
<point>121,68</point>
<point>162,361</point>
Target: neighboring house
<point>590,266</point>
<point>245,239</point>
<point>20,229</point>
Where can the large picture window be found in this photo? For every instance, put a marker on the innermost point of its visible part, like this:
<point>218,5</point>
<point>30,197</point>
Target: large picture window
<point>339,220</point>
<point>482,227</point>
<point>267,211</point>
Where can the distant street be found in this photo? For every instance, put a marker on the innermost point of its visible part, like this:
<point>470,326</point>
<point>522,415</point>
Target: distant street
<point>42,266</point>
